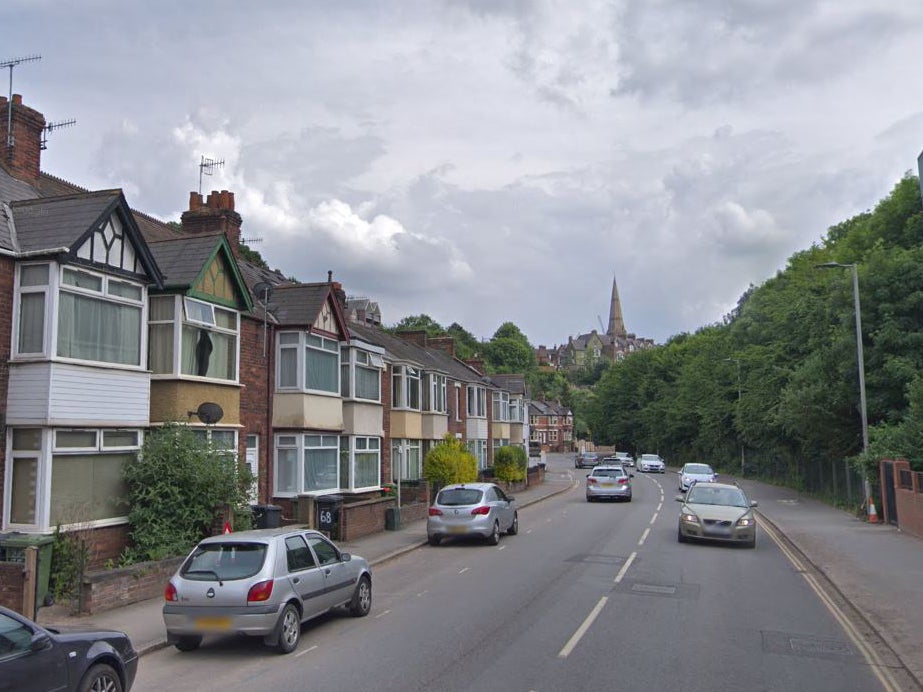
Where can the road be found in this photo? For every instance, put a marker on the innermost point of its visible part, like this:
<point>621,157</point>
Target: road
<point>587,596</point>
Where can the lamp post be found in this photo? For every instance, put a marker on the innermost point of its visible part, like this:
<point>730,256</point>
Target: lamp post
<point>739,400</point>
<point>863,410</point>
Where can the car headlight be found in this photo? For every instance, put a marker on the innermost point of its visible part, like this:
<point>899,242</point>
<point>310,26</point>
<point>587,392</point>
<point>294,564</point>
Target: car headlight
<point>746,521</point>
<point>689,518</point>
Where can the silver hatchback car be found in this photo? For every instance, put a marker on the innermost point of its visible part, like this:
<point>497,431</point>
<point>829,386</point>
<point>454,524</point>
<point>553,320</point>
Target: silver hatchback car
<point>472,509</point>
<point>611,481</point>
<point>262,583</point>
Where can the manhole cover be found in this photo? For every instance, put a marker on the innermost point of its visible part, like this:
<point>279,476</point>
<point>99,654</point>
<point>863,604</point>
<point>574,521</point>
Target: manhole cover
<point>789,644</point>
<point>654,588</point>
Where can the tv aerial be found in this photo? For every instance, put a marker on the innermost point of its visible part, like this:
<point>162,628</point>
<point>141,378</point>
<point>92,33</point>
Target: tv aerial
<point>51,127</point>
<point>207,166</point>
<point>9,104</point>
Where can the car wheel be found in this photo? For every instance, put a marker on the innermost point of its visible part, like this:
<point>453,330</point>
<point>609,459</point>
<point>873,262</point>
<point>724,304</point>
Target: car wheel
<point>188,643</point>
<point>494,536</point>
<point>289,627</point>
<point>361,603</point>
<point>514,527</point>
<point>435,540</point>
<point>101,678</point>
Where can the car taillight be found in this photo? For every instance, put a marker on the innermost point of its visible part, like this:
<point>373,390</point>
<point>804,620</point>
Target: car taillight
<point>623,481</point>
<point>169,592</point>
<point>591,481</point>
<point>260,592</point>
<point>434,512</point>
<point>483,509</point>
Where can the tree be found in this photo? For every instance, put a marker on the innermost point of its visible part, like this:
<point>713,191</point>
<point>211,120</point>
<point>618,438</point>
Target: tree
<point>421,322</point>
<point>510,463</point>
<point>450,462</point>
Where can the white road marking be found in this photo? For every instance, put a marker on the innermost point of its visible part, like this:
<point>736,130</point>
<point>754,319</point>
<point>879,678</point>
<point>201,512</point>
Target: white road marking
<point>659,506</point>
<point>578,635</point>
<point>644,536</point>
<point>654,518</point>
<point>422,593</point>
<point>631,558</point>
<point>306,651</point>
<point>502,547</point>
<point>463,570</point>
<point>382,614</point>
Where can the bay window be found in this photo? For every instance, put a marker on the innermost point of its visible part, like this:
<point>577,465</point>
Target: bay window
<point>308,362</point>
<point>206,340</point>
<point>306,464</point>
<point>360,463</point>
<point>434,393</point>
<point>405,387</point>
<point>360,374</point>
<point>477,401</point>
<point>501,406</point>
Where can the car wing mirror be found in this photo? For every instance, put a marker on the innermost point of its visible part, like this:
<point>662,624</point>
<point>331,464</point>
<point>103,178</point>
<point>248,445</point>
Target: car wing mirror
<point>40,642</point>
<point>679,498</point>
<point>345,557</point>
<point>754,503</point>
<point>510,498</point>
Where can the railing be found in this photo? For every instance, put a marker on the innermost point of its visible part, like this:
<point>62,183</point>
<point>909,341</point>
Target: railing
<point>905,479</point>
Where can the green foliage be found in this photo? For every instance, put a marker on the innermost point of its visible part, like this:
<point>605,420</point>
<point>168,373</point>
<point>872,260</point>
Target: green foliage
<point>510,463</point>
<point>421,322</point>
<point>69,560</point>
<point>176,487</point>
<point>450,462</point>
<point>252,256</point>
<point>466,345</point>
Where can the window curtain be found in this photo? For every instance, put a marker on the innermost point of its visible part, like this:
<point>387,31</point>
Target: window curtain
<point>287,471</point>
<point>321,370</point>
<point>320,469</point>
<point>367,473</point>
<point>31,323</point>
<point>367,383</point>
<point>97,330</point>
<point>87,487</point>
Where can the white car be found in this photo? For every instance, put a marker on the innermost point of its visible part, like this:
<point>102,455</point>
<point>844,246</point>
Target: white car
<point>695,473</point>
<point>651,463</point>
<point>625,458</point>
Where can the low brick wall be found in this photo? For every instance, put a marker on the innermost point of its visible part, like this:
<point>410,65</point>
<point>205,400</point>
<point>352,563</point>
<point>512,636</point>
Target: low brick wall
<point>113,588</point>
<point>12,585</point>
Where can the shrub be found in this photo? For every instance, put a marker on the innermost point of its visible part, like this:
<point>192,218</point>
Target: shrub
<point>176,487</point>
<point>510,463</point>
<point>450,462</point>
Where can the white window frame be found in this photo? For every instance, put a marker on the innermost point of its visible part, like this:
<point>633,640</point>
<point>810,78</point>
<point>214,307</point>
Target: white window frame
<point>302,342</point>
<point>406,383</point>
<point>349,447</point>
<point>477,401</point>
<point>501,406</point>
<point>434,392</point>
<point>302,443</point>
<point>354,359</point>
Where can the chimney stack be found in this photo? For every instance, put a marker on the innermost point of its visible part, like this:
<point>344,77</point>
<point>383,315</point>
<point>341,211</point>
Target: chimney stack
<point>24,157</point>
<point>214,215</point>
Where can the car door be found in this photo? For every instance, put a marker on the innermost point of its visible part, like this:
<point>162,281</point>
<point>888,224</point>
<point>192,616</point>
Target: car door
<point>504,507</point>
<point>21,668</point>
<point>340,576</point>
<point>305,576</point>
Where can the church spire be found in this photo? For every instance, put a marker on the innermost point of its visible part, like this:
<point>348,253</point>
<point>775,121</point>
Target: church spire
<point>616,322</point>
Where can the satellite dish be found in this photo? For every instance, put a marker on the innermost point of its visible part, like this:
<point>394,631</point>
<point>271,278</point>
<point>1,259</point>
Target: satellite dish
<point>209,413</point>
<point>263,291</point>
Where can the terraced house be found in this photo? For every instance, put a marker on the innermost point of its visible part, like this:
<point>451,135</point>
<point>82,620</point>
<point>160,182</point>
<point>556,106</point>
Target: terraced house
<point>114,322</point>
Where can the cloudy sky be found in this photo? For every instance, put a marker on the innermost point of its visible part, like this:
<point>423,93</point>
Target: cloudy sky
<point>485,161</point>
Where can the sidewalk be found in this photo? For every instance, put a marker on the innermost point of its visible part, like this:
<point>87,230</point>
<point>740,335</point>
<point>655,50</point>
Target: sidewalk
<point>143,621</point>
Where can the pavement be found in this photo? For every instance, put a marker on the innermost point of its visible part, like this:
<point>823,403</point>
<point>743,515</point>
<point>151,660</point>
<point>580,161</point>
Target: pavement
<point>876,568</point>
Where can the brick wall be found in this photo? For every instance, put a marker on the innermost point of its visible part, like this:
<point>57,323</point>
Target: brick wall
<point>113,588</point>
<point>12,585</point>
<point>256,397</point>
<point>6,326</point>
<point>106,544</point>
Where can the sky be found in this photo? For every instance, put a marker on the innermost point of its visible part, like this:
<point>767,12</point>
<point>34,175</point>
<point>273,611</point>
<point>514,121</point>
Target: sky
<point>491,161</point>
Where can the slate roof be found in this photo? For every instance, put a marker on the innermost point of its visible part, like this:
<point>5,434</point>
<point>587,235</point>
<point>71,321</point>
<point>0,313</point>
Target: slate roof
<point>181,259</point>
<point>50,224</point>
<point>298,304</point>
<point>513,383</point>
<point>547,408</point>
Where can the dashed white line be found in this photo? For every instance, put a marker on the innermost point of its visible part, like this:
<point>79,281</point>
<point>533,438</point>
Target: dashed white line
<point>306,651</point>
<point>578,635</point>
<point>382,614</point>
<point>631,558</point>
<point>654,518</point>
<point>502,547</point>
<point>463,570</point>
<point>644,536</point>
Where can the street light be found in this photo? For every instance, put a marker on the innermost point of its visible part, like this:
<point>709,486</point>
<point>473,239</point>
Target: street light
<point>863,411</point>
<point>739,401</point>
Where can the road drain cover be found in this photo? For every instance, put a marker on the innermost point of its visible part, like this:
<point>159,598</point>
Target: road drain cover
<point>654,588</point>
<point>802,645</point>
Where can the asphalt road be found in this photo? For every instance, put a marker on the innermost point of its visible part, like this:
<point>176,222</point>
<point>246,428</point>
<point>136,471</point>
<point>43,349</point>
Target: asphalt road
<point>587,596</point>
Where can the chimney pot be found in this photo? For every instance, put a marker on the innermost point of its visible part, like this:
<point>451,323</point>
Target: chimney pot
<point>17,99</point>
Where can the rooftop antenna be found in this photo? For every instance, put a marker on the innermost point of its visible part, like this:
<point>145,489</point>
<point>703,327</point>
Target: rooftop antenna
<point>207,167</point>
<point>51,127</point>
<point>9,110</point>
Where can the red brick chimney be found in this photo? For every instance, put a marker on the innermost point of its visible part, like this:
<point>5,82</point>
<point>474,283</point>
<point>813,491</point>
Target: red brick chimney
<point>415,336</point>
<point>21,147</point>
<point>214,215</point>
<point>443,343</point>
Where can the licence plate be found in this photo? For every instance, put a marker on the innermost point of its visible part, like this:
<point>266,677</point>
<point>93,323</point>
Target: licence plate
<point>607,485</point>
<point>458,529</point>
<point>213,623</point>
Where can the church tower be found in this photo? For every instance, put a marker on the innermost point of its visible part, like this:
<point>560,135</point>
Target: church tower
<point>616,321</point>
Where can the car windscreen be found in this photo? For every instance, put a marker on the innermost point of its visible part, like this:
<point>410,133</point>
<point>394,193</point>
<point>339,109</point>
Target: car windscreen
<point>459,496</point>
<point>608,473</point>
<point>704,495</point>
<point>699,469</point>
<point>224,561</point>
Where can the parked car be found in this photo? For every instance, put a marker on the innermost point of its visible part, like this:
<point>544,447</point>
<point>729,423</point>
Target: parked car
<point>610,481</point>
<point>482,510</point>
<point>585,460</point>
<point>33,657</point>
<point>717,512</point>
<point>695,473</point>
<point>263,583</point>
<point>652,463</point>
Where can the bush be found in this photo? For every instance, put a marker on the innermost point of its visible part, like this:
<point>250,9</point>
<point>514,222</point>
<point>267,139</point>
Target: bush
<point>176,487</point>
<point>510,463</point>
<point>450,462</point>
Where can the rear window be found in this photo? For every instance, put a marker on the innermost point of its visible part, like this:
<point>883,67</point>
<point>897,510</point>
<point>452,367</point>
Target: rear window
<point>459,496</point>
<point>608,473</point>
<point>224,561</point>
<point>698,468</point>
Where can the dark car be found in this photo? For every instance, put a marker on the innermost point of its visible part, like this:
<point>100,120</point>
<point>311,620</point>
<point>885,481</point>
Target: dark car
<point>33,657</point>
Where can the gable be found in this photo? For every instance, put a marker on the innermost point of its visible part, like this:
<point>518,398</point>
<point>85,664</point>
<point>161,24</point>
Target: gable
<point>216,282</point>
<point>109,245</point>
